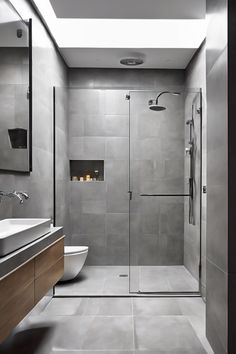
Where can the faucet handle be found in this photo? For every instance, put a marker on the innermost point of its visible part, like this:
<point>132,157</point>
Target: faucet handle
<point>25,195</point>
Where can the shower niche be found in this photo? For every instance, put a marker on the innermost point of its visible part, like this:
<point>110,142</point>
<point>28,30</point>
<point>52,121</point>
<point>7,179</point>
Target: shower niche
<point>87,170</point>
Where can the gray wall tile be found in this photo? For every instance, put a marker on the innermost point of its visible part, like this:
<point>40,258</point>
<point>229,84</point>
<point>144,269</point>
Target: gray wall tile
<point>216,310</point>
<point>117,148</point>
<point>117,223</point>
<point>217,30</point>
<point>218,143</point>
<point>117,125</point>
<point>106,121</point>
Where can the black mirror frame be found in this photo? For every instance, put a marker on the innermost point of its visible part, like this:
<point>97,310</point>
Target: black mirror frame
<point>30,96</point>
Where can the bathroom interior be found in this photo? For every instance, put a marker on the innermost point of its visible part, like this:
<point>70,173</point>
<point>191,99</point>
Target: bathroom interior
<point>115,222</point>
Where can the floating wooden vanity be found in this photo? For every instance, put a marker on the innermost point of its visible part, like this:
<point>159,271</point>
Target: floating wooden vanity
<point>22,288</point>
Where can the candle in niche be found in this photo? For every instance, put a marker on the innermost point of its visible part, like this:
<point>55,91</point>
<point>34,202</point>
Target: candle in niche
<point>96,172</point>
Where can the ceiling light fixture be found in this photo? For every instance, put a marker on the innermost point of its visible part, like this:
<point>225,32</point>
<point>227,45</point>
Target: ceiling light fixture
<point>131,61</point>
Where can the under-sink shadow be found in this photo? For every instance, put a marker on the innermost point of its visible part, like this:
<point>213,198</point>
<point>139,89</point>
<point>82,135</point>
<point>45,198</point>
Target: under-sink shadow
<point>28,341</point>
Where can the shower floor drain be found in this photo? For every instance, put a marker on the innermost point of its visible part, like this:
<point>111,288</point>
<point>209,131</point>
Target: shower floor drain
<point>123,275</point>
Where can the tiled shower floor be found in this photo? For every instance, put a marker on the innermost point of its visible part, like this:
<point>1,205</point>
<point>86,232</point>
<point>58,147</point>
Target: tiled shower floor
<point>114,280</point>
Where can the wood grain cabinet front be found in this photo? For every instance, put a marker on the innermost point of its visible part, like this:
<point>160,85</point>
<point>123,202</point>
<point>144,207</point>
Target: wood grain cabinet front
<point>22,289</point>
<point>46,259</point>
<point>16,297</point>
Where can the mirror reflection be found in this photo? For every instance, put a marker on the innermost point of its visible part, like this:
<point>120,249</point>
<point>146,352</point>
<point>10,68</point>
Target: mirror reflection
<point>15,126</point>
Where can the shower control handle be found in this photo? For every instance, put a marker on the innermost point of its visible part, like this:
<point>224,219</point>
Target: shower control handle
<point>188,151</point>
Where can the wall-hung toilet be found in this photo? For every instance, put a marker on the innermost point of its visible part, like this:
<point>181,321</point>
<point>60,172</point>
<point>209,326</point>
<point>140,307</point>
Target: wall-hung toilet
<point>74,258</point>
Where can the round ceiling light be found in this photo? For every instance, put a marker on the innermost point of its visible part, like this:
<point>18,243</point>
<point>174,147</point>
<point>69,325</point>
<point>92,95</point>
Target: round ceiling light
<point>131,61</point>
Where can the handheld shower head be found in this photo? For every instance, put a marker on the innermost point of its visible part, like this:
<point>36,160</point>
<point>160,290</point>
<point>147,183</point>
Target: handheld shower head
<point>190,121</point>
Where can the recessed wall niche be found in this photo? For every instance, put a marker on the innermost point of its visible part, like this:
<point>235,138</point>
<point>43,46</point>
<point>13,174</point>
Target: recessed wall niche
<point>87,170</point>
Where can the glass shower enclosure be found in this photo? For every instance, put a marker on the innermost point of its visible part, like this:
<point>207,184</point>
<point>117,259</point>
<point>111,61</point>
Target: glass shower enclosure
<point>165,192</point>
<point>140,213</point>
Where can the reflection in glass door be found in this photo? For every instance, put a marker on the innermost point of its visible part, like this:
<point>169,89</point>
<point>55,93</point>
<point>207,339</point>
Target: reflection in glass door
<point>165,191</point>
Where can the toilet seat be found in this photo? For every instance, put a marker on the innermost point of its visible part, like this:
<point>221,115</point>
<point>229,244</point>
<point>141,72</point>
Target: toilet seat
<point>75,249</point>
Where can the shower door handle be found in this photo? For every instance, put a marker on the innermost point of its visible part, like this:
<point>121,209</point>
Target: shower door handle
<point>130,195</point>
<point>164,195</point>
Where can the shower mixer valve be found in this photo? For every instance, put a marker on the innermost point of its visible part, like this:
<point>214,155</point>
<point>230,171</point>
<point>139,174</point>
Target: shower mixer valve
<point>188,150</point>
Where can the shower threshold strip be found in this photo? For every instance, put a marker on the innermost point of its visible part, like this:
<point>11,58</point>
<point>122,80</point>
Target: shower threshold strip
<point>146,294</point>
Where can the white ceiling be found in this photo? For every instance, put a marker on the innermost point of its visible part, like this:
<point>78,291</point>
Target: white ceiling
<point>173,58</point>
<point>130,9</point>
<point>165,33</point>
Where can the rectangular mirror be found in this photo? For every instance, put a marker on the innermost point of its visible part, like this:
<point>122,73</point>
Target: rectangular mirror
<point>15,90</point>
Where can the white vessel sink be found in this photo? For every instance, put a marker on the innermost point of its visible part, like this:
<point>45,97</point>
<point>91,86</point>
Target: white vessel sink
<point>16,233</point>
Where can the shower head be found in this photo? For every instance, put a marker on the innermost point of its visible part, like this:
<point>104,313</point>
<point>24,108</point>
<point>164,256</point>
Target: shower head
<point>153,104</point>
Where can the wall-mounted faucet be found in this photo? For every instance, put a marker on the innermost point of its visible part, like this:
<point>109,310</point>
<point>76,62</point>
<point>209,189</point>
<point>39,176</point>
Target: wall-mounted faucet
<point>15,194</point>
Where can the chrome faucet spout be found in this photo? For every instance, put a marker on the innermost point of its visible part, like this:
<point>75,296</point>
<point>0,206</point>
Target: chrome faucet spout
<point>18,195</point>
<point>15,194</point>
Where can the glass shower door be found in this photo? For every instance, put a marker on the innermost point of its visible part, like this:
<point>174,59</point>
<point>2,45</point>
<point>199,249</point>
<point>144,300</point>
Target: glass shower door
<point>160,188</point>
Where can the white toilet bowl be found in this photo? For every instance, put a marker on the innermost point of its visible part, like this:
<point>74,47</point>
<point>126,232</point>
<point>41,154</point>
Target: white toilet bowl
<point>74,258</point>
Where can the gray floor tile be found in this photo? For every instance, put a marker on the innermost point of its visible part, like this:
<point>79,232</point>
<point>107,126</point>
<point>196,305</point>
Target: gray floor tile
<point>65,306</point>
<point>181,280</point>
<point>110,333</point>
<point>172,334</point>
<point>166,278</point>
<point>157,284</point>
<point>192,306</point>
<point>155,306</point>
<point>152,278</point>
<point>95,333</point>
<point>72,332</point>
<point>109,307</point>
<point>116,285</point>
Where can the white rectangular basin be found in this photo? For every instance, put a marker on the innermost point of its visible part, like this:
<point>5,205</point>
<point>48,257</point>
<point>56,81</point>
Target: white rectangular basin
<point>16,233</point>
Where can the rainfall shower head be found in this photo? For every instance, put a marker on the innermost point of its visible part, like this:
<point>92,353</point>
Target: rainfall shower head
<point>153,104</point>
